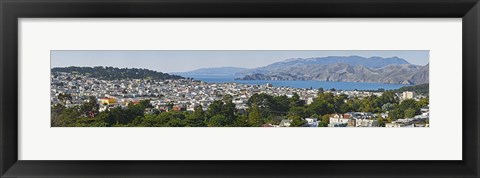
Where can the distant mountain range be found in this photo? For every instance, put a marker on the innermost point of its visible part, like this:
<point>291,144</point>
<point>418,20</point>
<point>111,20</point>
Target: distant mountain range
<point>217,71</point>
<point>392,70</point>
<point>371,62</point>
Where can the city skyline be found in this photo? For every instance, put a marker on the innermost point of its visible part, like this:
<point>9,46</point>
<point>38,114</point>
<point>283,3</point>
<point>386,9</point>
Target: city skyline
<point>188,60</point>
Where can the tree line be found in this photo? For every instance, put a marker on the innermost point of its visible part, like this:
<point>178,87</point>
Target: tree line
<point>422,89</point>
<point>262,109</point>
<point>113,73</point>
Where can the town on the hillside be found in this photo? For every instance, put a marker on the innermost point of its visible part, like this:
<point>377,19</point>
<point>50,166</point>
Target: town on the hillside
<point>80,100</point>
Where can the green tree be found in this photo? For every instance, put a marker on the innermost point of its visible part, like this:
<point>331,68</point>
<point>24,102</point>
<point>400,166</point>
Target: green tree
<point>371,104</point>
<point>281,104</point>
<point>323,104</point>
<point>197,118</point>
<point>295,101</point>
<point>423,102</point>
<point>262,100</point>
<point>325,120</point>
<point>380,121</point>
<point>297,122</point>
<point>339,103</point>
<point>395,114</point>
<point>215,108</point>
<point>218,121</point>
<point>69,116</point>
<point>297,112</point>
<point>171,119</point>
<point>149,120</point>
<point>255,116</point>
<point>145,104</point>
<point>408,103</point>
<point>228,110</point>
<point>389,97</point>
<point>354,104</point>
<point>242,121</point>
<point>89,108</point>
<point>409,113</point>
<point>56,112</point>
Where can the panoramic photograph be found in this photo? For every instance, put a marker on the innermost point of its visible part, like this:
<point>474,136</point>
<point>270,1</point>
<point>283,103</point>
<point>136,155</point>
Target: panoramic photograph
<point>239,88</point>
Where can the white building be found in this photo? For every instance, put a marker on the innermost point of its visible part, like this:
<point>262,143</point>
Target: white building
<point>338,120</point>
<point>408,95</point>
<point>366,123</point>
<point>394,125</point>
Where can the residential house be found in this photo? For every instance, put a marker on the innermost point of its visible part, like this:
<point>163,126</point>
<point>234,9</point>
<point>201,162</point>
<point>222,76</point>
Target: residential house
<point>339,120</point>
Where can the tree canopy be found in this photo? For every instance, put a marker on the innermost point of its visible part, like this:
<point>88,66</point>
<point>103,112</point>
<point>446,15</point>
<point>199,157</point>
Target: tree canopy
<point>262,109</point>
<point>113,73</point>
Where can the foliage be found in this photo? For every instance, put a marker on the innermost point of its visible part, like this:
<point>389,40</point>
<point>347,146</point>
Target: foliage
<point>262,109</point>
<point>113,73</point>
<point>419,89</point>
<point>324,121</point>
<point>255,116</point>
<point>381,121</point>
<point>406,109</point>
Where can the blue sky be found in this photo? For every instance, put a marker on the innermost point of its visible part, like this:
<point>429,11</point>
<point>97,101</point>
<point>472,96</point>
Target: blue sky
<point>187,60</point>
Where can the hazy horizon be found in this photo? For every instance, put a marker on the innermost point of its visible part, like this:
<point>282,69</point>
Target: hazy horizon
<point>172,61</point>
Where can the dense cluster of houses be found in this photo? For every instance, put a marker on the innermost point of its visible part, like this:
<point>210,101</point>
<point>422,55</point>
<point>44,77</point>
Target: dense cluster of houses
<point>186,94</point>
<point>361,119</point>
<point>366,119</point>
<point>183,94</point>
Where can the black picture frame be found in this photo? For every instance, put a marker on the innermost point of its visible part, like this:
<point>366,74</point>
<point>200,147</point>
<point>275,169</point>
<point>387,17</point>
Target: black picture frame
<point>11,10</point>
